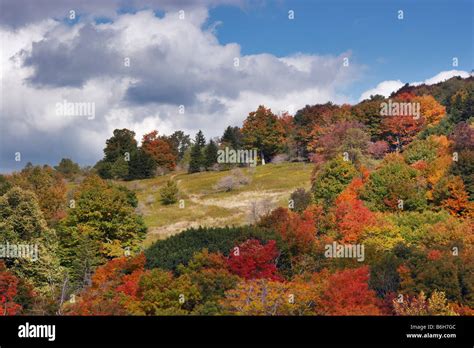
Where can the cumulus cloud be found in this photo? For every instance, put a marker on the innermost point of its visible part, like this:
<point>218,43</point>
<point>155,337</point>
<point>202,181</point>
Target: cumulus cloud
<point>173,63</point>
<point>386,88</point>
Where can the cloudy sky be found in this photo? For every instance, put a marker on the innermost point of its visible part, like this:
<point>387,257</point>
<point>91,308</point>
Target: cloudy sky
<point>219,59</point>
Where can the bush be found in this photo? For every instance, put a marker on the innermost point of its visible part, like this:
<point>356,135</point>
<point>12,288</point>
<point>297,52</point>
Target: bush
<point>226,184</point>
<point>233,181</point>
<point>169,193</point>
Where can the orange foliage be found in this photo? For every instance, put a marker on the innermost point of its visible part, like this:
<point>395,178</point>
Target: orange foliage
<point>458,201</point>
<point>114,288</point>
<point>159,149</point>
<point>431,110</point>
<point>348,293</point>
<point>352,217</point>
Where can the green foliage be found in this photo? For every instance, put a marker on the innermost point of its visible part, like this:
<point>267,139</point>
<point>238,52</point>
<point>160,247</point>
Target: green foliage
<point>100,225</point>
<point>124,159</point>
<point>384,278</point>
<point>210,154</point>
<point>464,167</point>
<point>169,192</point>
<point>22,223</point>
<point>461,105</point>
<point>141,166</point>
<point>5,185</point>
<point>161,293</point>
<point>68,168</point>
<point>331,179</point>
<point>444,127</point>
<point>414,226</point>
<point>368,113</point>
<point>122,142</point>
<point>427,275</point>
<point>180,142</point>
<point>392,183</point>
<point>197,160</point>
<point>179,249</point>
<point>421,150</point>
<point>232,137</point>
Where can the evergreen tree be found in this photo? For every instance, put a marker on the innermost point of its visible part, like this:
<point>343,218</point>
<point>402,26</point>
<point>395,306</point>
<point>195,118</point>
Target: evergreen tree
<point>232,137</point>
<point>210,154</point>
<point>169,193</point>
<point>124,159</point>
<point>197,157</point>
<point>200,140</point>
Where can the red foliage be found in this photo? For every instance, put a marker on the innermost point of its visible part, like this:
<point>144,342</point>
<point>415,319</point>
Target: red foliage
<point>252,260</point>
<point>348,294</point>
<point>434,255</point>
<point>352,216</point>
<point>159,149</point>
<point>8,291</point>
<point>298,231</point>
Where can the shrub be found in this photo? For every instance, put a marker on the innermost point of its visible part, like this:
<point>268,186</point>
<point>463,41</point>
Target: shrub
<point>226,184</point>
<point>233,181</point>
<point>169,193</point>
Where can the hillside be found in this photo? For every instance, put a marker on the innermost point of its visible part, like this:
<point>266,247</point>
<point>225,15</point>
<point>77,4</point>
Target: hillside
<point>269,186</point>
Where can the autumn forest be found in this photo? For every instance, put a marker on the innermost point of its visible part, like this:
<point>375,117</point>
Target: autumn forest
<point>376,216</point>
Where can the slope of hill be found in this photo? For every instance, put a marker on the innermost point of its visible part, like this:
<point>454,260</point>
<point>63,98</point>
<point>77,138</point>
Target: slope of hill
<point>204,205</point>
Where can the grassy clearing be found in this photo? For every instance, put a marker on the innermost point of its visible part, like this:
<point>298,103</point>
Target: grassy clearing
<point>204,206</point>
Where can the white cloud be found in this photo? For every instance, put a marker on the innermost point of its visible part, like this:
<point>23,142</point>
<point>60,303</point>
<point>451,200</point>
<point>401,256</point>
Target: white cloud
<point>443,76</point>
<point>173,62</point>
<point>386,88</point>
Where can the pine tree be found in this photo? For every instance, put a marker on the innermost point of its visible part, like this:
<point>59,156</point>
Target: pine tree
<point>197,158</point>
<point>232,137</point>
<point>210,154</point>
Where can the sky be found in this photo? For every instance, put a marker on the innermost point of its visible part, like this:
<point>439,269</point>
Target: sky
<point>206,64</point>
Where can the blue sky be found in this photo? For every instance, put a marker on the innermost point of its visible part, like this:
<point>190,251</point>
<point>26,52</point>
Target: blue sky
<point>413,49</point>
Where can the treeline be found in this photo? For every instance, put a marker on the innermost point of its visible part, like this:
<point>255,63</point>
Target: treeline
<point>314,133</point>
